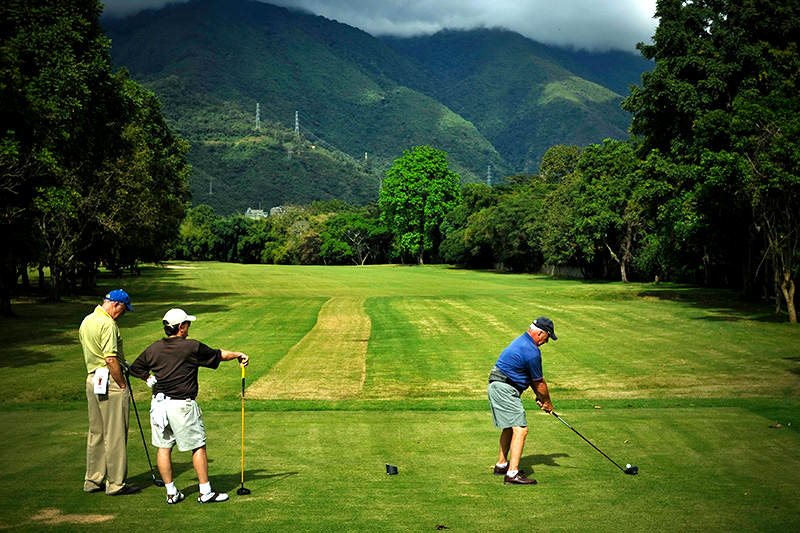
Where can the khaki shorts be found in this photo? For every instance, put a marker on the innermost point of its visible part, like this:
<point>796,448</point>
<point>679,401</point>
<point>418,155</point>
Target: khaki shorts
<point>506,404</point>
<point>184,425</point>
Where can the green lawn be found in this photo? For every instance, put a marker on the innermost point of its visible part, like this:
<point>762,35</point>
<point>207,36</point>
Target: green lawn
<point>683,382</point>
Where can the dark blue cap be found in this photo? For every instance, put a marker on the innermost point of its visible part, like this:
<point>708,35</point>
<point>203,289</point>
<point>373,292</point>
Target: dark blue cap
<point>118,295</point>
<point>545,324</point>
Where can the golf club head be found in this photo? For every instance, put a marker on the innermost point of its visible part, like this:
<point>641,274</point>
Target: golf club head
<point>157,482</point>
<point>632,470</point>
<point>242,491</point>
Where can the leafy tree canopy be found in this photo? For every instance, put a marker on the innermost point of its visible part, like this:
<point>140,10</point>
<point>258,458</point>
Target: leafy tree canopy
<point>419,190</point>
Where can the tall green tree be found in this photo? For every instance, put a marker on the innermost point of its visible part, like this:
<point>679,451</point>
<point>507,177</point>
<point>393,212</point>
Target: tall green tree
<point>560,242</point>
<point>455,248</point>
<point>766,159</point>
<point>418,192</point>
<point>507,229</point>
<point>353,237</point>
<point>88,169</point>
<point>53,61</point>
<point>144,182</point>
<point>720,104</point>
<point>558,162</point>
<point>611,205</point>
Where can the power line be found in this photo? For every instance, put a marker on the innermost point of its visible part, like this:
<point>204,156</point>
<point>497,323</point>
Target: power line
<point>310,135</point>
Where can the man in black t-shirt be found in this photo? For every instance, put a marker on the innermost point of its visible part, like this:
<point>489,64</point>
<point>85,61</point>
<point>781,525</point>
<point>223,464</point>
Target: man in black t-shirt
<point>175,417</point>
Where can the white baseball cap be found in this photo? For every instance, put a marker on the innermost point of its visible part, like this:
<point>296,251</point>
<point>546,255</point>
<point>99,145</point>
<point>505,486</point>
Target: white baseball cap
<point>177,316</point>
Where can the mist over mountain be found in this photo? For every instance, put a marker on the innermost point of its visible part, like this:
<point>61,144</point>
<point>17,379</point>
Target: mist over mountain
<point>486,97</point>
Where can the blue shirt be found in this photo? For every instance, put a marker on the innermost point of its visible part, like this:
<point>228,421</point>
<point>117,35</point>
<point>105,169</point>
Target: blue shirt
<point>521,361</point>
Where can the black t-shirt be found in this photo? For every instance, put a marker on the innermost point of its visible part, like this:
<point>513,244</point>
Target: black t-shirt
<point>174,362</point>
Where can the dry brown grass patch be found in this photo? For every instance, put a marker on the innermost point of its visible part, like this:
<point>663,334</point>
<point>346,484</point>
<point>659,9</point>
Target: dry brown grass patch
<point>55,516</point>
<point>329,363</point>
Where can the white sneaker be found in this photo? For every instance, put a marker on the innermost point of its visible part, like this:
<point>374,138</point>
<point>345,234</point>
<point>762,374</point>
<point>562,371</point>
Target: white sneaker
<point>212,497</point>
<point>175,498</point>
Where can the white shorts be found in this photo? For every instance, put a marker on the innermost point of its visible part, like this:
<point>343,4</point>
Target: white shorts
<point>177,422</point>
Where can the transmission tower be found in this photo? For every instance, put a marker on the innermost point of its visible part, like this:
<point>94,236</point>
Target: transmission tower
<point>296,124</point>
<point>258,117</point>
<point>210,186</point>
<point>489,175</point>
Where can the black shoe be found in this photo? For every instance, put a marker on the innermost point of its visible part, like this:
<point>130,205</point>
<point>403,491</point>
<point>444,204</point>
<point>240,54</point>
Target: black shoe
<point>519,479</point>
<point>498,471</point>
<point>125,490</point>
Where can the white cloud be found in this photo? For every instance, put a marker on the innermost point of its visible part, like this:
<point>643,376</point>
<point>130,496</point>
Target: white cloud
<point>589,24</point>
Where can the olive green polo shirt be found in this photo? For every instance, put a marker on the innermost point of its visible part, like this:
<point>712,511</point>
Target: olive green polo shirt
<point>100,338</point>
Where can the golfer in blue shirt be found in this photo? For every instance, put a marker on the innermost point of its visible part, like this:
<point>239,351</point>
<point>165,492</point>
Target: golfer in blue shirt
<point>518,367</point>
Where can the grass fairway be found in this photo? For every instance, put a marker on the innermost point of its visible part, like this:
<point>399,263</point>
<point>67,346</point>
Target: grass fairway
<point>356,367</point>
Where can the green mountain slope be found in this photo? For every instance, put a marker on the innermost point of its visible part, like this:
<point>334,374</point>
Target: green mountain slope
<point>211,59</point>
<point>486,97</point>
<point>517,95</point>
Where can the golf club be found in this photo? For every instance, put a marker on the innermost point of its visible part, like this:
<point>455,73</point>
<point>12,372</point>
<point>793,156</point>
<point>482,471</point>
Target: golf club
<point>156,481</point>
<point>242,491</point>
<point>630,470</point>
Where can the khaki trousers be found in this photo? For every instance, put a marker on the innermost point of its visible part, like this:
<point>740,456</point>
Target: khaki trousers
<point>107,441</point>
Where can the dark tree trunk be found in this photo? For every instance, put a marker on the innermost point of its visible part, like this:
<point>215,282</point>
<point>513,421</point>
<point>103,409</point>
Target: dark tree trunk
<point>23,272</point>
<point>54,289</point>
<point>8,281</point>
<point>787,288</point>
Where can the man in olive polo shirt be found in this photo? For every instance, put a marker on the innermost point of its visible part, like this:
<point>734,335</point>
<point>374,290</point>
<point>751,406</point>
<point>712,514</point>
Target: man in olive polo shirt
<point>107,440</point>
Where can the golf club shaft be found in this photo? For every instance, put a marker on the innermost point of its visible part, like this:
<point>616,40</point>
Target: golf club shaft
<point>242,426</point>
<point>141,431</point>
<point>587,440</point>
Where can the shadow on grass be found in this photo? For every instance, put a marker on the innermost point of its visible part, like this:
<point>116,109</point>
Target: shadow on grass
<point>230,482</point>
<point>144,479</point>
<point>727,302</point>
<point>41,322</point>
<point>220,482</point>
<point>549,459</point>
<point>21,357</point>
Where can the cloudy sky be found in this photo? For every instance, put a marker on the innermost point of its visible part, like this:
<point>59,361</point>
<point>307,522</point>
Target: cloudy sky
<point>586,24</point>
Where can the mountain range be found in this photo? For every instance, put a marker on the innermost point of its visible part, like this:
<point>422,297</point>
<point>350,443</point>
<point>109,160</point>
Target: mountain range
<point>337,105</point>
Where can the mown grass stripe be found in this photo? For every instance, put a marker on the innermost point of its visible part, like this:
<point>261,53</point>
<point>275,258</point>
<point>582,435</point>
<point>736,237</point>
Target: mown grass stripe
<point>329,362</point>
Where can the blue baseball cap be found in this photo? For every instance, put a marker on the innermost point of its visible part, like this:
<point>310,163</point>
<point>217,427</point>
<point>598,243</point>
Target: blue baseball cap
<point>118,295</point>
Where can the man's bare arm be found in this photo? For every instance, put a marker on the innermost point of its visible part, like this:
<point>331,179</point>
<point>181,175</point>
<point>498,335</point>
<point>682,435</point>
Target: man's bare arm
<point>228,355</point>
<point>115,370</point>
<point>542,395</point>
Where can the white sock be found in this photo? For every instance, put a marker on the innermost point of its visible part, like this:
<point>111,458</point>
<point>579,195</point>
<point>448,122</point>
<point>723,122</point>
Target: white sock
<point>171,490</point>
<point>512,473</point>
<point>502,465</point>
<point>205,488</point>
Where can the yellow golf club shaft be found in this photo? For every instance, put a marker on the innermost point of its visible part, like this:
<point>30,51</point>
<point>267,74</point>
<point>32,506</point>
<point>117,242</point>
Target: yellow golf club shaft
<point>242,425</point>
